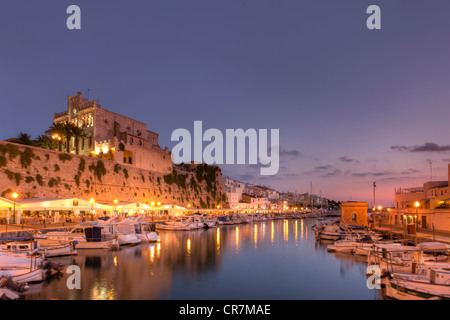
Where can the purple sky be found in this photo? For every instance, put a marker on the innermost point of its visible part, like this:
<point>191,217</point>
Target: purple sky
<point>353,105</point>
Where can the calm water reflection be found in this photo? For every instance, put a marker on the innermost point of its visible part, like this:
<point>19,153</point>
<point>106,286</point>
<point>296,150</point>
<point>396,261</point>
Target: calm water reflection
<point>274,260</point>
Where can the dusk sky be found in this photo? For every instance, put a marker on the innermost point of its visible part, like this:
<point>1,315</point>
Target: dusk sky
<point>353,105</point>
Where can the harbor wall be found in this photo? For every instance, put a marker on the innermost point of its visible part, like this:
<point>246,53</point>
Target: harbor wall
<point>40,173</point>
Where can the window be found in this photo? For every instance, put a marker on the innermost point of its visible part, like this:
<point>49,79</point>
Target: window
<point>131,140</point>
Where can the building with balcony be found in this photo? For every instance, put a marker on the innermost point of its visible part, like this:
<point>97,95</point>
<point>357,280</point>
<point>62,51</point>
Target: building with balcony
<point>428,206</point>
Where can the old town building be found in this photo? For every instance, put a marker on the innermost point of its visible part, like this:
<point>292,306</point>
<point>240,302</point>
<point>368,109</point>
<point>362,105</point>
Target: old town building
<point>113,136</point>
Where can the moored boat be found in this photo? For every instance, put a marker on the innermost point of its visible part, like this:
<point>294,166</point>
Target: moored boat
<point>434,285</point>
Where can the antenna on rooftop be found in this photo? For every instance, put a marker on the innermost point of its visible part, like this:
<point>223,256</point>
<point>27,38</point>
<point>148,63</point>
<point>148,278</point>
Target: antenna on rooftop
<point>87,93</point>
<point>430,162</point>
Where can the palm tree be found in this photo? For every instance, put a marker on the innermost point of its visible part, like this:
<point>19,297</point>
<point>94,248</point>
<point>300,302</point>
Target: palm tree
<point>46,142</point>
<point>78,133</point>
<point>69,127</point>
<point>57,130</point>
<point>22,138</point>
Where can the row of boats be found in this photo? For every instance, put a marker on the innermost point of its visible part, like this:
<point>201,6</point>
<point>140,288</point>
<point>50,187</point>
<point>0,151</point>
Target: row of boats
<point>201,221</point>
<point>401,272</point>
<point>26,261</point>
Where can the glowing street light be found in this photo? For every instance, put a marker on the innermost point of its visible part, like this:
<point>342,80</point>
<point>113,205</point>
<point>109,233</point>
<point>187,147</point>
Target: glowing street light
<point>417,205</point>
<point>14,196</point>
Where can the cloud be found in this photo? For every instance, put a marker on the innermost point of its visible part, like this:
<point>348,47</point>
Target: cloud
<point>347,159</point>
<point>322,168</point>
<point>334,173</point>
<point>427,147</point>
<point>290,153</point>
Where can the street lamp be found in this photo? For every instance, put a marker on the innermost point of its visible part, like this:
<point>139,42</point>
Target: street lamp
<point>417,205</point>
<point>115,205</point>
<point>92,204</point>
<point>14,196</point>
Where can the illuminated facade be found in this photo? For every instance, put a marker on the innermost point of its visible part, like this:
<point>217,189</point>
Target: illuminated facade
<point>112,136</point>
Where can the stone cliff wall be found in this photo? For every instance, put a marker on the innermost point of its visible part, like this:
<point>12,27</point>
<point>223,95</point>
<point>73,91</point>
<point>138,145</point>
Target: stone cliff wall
<point>41,173</point>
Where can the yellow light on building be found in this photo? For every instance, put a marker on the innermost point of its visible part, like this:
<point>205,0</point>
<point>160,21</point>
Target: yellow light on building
<point>417,204</point>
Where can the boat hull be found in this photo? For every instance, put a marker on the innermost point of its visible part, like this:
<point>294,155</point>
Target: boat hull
<point>21,275</point>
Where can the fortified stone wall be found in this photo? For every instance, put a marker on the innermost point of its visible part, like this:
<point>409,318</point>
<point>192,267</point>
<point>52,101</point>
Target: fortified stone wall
<point>41,173</point>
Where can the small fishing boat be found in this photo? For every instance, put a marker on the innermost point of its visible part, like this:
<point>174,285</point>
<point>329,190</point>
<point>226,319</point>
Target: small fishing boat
<point>332,232</point>
<point>180,224</point>
<point>51,249</point>
<point>21,268</point>
<point>351,243</point>
<point>432,285</point>
<point>395,258</point>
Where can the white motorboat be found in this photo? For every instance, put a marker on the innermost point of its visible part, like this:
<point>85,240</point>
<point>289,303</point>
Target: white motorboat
<point>196,221</point>
<point>85,237</point>
<point>179,224</point>
<point>332,232</point>
<point>207,220</point>
<point>351,243</point>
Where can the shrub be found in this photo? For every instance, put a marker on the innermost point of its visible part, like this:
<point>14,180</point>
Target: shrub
<point>98,170</point>
<point>3,161</point>
<point>39,180</point>
<point>77,179</point>
<point>56,168</point>
<point>53,182</point>
<point>29,179</point>
<point>4,193</point>
<point>26,157</point>
<point>65,156</point>
<point>82,165</point>
<point>12,150</point>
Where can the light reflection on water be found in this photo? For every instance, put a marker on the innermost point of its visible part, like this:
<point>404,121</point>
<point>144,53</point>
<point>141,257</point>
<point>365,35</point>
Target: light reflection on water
<point>230,262</point>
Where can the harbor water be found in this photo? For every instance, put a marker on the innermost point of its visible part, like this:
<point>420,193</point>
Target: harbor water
<point>268,260</point>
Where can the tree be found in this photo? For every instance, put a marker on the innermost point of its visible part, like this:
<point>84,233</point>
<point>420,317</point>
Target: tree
<point>46,142</point>
<point>57,129</point>
<point>22,138</point>
<point>78,133</point>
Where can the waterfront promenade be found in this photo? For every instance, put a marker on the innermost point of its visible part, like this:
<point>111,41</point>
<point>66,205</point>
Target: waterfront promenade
<point>423,235</point>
